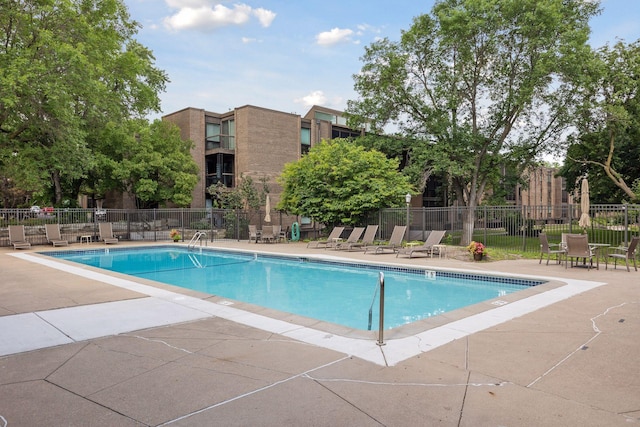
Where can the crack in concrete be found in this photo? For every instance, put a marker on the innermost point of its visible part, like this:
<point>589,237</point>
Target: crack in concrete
<point>582,346</point>
<point>261,389</point>
<point>161,342</point>
<point>397,384</point>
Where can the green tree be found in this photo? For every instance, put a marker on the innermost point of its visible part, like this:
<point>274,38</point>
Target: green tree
<point>476,85</point>
<point>148,161</point>
<point>339,182</point>
<point>67,68</point>
<point>606,148</point>
<point>244,196</point>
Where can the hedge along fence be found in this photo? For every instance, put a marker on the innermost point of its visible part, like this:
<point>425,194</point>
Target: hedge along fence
<point>513,228</point>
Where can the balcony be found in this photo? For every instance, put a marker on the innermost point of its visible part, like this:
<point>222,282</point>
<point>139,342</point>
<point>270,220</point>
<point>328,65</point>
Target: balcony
<point>223,142</point>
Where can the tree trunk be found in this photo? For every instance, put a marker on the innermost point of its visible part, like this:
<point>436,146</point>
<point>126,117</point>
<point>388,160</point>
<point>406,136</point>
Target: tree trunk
<point>468,225</point>
<point>55,177</point>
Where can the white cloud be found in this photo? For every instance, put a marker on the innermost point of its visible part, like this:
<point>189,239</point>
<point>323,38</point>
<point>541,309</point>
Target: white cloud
<point>265,16</point>
<point>247,40</point>
<point>366,28</point>
<point>335,36</point>
<point>316,97</point>
<point>208,16</point>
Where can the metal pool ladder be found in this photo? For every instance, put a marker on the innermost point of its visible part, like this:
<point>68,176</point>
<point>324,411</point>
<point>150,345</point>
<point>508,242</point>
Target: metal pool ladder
<point>197,238</point>
<point>381,321</point>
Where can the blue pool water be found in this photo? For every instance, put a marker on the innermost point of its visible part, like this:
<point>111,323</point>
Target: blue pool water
<point>335,292</point>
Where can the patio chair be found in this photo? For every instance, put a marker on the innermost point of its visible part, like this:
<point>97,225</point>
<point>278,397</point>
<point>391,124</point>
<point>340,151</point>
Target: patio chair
<point>394,243</point>
<point>367,240</point>
<point>53,235</point>
<point>434,238</point>
<point>354,237</point>
<point>106,233</point>
<point>284,234</point>
<point>546,248</point>
<point>563,239</point>
<point>267,235</point>
<point>254,234</point>
<point>277,233</point>
<point>625,253</point>
<point>16,237</point>
<point>578,247</point>
<point>335,234</point>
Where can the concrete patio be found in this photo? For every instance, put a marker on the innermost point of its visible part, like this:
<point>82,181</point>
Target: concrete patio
<point>570,363</point>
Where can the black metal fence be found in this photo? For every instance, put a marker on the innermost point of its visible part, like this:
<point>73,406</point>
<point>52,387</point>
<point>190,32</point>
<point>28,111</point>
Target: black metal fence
<point>515,227</point>
<point>508,227</point>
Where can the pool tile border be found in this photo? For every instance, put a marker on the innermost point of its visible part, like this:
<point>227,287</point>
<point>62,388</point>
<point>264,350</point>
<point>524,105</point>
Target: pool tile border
<point>369,266</point>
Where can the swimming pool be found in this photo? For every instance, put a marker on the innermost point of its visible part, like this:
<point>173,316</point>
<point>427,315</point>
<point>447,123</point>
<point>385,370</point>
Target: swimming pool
<point>342,293</point>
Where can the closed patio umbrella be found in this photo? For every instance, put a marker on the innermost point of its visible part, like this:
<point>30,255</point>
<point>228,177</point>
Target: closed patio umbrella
<point>267,208</point>
<point>585,221</point>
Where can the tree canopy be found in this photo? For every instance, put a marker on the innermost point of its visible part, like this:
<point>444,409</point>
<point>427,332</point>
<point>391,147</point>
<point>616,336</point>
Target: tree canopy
<point>339,182</point>
<point>148,161</point>
<point>606,147</point>
<point>68,68</point>
<point>474,85</point>
<point>244,196</point>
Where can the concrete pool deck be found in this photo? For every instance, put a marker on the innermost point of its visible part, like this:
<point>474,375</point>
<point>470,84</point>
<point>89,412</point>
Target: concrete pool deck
<point>126,356</point>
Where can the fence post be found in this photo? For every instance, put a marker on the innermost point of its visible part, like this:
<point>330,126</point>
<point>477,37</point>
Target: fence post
<point>485,225</point>
<point>523,227</point>
<point>212,223</point>
<point>424,223</point>
<point>570,218</point>
<point>182,222</point>
<point>626,224</point>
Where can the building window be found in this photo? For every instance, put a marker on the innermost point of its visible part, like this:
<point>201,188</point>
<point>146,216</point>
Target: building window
<point>305,140</point>
<point>212,136</point>
<point>228,134</point>
<point>344,133</point>
<point>219,168</point>
<point>325,116</point>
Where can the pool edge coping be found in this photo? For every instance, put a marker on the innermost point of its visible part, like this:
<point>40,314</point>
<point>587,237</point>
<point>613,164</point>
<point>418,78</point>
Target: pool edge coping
<point>398,345</point>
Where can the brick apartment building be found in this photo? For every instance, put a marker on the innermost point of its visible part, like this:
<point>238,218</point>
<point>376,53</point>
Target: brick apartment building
<point>257,142</point>
<point>252,141</point>
<point>544,190</point>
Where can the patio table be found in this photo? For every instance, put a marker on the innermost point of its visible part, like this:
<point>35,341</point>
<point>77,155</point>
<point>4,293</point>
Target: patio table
<point>598,248</point>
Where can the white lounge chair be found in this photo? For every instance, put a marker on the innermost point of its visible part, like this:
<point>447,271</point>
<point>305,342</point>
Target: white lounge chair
<point>106,233</point>
<point>367,240</point>
<point>335,234</point>
<point>53,235</point>
<point>434,238</point>
<point>16,237</point>
<point>394,243</point>
<point>354,237</point>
